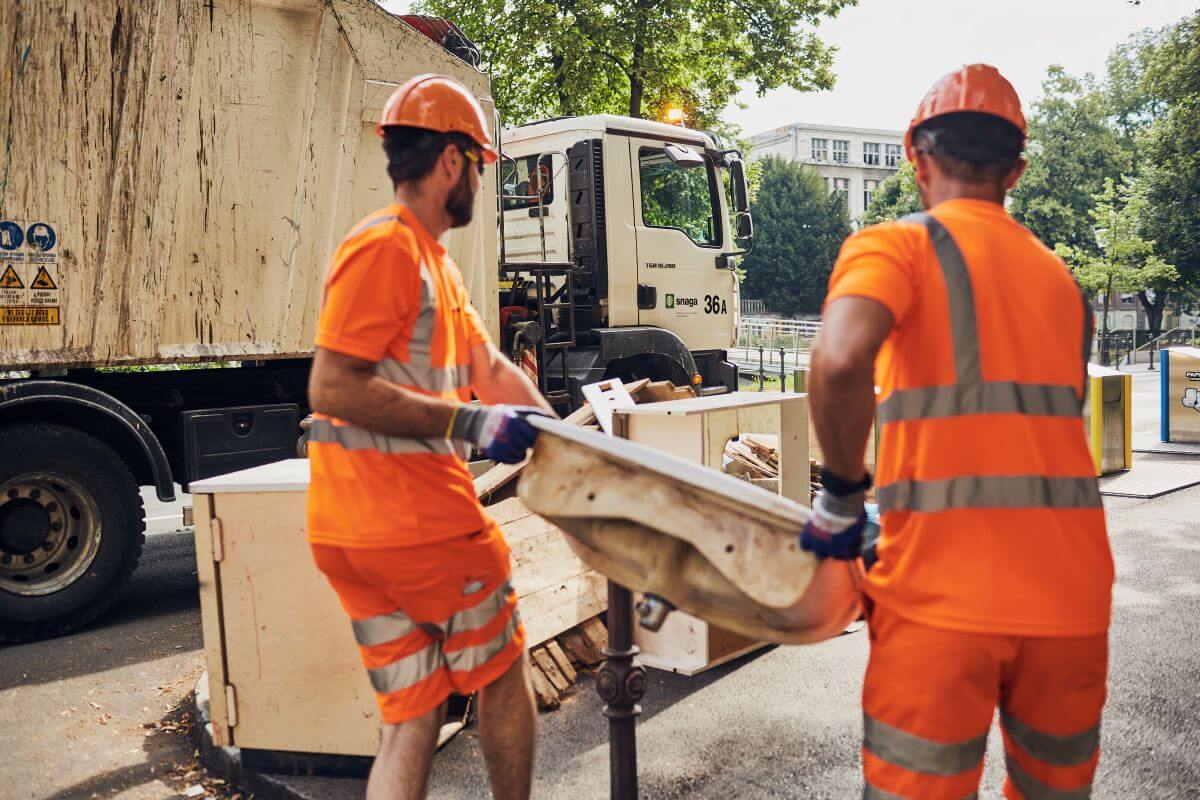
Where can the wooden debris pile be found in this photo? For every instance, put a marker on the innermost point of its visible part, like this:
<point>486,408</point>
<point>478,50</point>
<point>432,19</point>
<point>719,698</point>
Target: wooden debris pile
<point>556,664</point>
<point>754,457</point>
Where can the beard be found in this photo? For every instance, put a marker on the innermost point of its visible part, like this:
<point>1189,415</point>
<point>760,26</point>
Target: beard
<point>460,203</point>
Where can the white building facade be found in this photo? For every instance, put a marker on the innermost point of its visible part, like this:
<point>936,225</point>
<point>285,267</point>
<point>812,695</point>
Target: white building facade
<point>852,161</point>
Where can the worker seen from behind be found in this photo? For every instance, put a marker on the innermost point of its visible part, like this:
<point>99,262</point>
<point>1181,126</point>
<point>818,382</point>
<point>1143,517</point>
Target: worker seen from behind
<point>393,519</point>
<point>993,583</point>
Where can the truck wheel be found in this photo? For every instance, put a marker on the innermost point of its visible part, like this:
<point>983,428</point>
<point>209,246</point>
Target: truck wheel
<point>71,530</point>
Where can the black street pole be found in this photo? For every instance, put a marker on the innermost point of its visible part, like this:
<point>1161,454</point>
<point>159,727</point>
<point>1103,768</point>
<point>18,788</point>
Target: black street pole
<point>621,683</point>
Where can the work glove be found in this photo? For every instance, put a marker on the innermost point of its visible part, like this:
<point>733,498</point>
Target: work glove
<point>502,433</point>
<point>835,528</point>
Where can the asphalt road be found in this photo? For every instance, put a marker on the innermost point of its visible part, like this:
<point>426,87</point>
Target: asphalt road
<point>781,723</point>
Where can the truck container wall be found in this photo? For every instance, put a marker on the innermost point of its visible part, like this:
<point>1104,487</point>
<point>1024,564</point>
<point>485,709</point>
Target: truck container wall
<point>175,174</point>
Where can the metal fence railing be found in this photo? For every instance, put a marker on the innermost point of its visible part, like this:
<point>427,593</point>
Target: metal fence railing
<point>793,335</point>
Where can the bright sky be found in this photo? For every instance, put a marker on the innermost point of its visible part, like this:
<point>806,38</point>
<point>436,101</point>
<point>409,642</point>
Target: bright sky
<point>891,51</point>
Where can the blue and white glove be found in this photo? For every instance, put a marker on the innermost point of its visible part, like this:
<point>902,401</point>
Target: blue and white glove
<point>835,528</point>
<point>502,433</point>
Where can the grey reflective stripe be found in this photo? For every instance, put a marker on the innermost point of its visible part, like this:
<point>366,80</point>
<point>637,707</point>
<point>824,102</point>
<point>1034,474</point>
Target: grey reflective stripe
<point>423,376</point>
<point>872,793</point>
<point>371,223</point>
<point>407,671</point>
<point>987,491</point>
<point>993,397</point>
<point>470,658</point>
<point>382,628</point>
<point>964,331</point>
<point>353,438</point>
<point>917,754</point>
<point>1033,789</point>
<point>1049,748</point>
<point>481,614</point>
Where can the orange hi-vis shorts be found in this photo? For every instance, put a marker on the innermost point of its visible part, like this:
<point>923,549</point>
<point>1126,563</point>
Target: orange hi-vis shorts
<point>430,620</point>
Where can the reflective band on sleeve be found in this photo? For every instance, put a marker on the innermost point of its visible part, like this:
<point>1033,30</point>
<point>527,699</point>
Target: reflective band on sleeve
<point>917,754</point>
<point>989,491</point>
<point>382,628</point>
<point>407,671</point>
<point>371,223</point>
<point>872,793</point>
<point>479,615</point>
<point>1033,789</point>
<point>472,658</point>
<point>964,331</point>
<point>996,397</point>
<point>352,438</point>
<point>1058,751</point>
<point>423,376</point>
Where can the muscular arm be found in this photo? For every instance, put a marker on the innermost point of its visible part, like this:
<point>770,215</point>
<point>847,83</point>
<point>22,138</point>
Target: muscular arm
<point>495,379</point>
<point>842,383</point>
<point>347,388</point>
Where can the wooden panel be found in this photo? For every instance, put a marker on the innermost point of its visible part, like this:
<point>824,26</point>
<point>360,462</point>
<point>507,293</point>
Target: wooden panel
<point>210,618</point>
<point>290,694</point>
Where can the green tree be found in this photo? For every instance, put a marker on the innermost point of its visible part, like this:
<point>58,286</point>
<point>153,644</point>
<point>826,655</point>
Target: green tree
<point>1171,155</point>
<point>1073,148</point>
<point>798,228</point>
<point>1123,261</point>
<point>895,197</point>
<point>637,57</point>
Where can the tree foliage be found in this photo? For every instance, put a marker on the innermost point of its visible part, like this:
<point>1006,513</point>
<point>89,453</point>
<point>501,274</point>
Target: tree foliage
<point>637,57</point>
<point>1171,150</point>
<point>1124,262</point>
<point>895,197</point>
<point>798,228</point>
<point>1073,148</point>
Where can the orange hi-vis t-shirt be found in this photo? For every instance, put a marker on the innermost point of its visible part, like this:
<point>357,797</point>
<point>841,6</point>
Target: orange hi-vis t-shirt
<point>393,296</point>
<point>991,514</point>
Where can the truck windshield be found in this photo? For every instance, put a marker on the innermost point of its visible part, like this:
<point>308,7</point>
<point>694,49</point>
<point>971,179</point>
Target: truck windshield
<point>524,178</point>
<point>679,197</point>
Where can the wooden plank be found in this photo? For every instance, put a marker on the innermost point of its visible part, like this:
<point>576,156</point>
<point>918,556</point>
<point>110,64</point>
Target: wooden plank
<point>547,695</point>
<point>546,664</point>
<point>555,609</point>
<point>595,633</point>
<point>560,660</point>
<point>580,648</point>
<point>660,391</point>
<point>508,511</point>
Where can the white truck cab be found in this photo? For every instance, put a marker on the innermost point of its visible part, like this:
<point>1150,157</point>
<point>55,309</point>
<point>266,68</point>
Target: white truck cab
<point>637,217</point>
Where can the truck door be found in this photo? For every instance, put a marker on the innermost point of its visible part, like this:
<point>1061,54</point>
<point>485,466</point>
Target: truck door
<point>681,228</point>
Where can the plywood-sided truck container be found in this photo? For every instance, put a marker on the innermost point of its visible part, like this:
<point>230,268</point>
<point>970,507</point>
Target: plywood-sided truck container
<point>174,176</point>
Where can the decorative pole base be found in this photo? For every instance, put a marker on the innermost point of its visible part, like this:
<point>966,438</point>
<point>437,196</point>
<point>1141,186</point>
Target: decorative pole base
<point>621,683</point>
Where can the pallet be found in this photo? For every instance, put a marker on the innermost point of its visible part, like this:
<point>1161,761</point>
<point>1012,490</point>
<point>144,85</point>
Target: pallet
<point>556,665</point>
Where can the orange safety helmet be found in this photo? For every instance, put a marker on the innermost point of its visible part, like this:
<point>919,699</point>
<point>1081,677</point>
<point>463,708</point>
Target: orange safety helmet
<point>976,87</point>
<point>441,104</point>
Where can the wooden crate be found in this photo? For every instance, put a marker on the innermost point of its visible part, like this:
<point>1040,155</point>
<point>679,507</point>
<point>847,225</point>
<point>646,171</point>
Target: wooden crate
<point>698,429</point>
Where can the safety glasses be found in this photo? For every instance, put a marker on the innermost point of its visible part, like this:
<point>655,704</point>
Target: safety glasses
<point>475,158</point>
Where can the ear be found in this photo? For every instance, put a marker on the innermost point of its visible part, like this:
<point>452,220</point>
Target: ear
<point>923,167</point>
<point>1014,174</point>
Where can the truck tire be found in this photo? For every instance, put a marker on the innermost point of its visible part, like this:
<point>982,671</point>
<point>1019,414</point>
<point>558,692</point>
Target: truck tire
<point>71,530</point>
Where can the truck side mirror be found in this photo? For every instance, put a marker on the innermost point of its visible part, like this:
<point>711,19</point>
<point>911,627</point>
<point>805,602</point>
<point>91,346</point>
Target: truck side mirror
<point>744,226</point>
<point>739,191</point>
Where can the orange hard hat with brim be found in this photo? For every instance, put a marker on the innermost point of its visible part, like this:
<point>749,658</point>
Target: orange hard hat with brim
<point>441,104</point>
<point>976,87</point>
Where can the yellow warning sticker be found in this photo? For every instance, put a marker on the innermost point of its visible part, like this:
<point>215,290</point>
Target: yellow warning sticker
<point>11,280</point>
<point>42,280</point>
<point>29,315</point>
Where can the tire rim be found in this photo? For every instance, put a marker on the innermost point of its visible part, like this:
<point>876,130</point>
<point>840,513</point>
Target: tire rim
<point>50,533</point>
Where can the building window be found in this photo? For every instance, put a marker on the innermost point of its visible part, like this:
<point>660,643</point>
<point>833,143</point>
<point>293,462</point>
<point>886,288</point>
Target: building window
<point>871,154</point>
<point>841,151</point>
<point>841,187</point>
<point>828,185</point>
<point>869,188</point>
<point>820,149</point>
<point>891,155</point>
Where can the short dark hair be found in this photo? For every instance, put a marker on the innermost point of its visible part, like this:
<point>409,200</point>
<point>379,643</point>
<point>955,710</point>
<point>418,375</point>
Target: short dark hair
<point>970,146</point>
<point>412,153</point>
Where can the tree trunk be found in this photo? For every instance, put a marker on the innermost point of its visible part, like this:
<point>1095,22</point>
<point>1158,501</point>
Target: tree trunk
<point>1154,310</point>
<point>1104,326</point>
<point>564,100</point>
<point>637,82</point>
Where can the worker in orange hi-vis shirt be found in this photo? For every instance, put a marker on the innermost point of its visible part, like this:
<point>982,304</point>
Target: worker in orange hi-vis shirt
<point>393,519</point>
<point>993,584</point>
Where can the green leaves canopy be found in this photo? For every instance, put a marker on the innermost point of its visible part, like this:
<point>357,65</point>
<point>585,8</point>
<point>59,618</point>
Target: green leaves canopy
<point>637,57</point>
<point>798,228</point>
<point>895,197</point>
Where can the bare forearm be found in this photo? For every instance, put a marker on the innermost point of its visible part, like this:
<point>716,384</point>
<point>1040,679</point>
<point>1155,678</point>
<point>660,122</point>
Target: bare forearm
<point>382,407</point>
<point>842,403</point>
<point>501,381</point>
